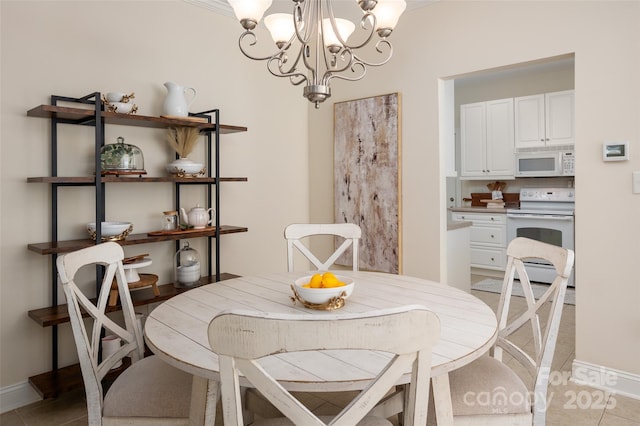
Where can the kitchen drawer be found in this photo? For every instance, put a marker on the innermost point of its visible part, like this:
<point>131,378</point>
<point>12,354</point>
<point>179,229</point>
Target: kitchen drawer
<point>488,258</point>
<point>492,235</point>
<point>481,218</point>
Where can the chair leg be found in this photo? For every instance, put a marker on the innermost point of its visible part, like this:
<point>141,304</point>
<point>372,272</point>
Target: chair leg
<point>442,399</point>
<point>403,389</point>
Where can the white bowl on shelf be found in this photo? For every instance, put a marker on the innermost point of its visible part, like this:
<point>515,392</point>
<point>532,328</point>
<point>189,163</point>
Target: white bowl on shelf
<point>109,229</point>
<point>184,166</point>
<point>323,295</point>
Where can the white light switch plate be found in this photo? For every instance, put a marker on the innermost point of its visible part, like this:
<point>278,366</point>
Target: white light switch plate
<point>636,183</point>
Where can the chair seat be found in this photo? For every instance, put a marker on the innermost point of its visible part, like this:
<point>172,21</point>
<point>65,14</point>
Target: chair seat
<point>488,386</point>
<point>282,421</point>
<point>149,388</point>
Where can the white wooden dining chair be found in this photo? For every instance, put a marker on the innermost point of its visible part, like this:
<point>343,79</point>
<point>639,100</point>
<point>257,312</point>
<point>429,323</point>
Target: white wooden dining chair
<point>295,233</point>
<point>149,391</point>
<point>242,338</point>
<point>488,391</point>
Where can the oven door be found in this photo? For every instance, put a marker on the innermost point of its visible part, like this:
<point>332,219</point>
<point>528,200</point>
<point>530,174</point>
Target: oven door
<point>556,229</point>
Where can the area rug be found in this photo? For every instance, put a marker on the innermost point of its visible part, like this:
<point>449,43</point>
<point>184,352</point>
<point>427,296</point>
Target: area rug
<point>495,286</point>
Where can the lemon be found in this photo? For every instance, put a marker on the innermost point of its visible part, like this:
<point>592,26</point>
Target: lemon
<point>316,281</point>
<point>335,283</point>
<point>329,280</point>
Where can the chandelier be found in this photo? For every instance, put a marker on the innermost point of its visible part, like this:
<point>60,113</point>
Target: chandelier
<point>313,45</point>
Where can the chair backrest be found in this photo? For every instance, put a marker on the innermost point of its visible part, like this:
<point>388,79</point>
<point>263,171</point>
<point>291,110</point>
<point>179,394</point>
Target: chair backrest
<point>350,232</point>
<point>240,338</point>
<point>88,339</point>
<point>538,364</point>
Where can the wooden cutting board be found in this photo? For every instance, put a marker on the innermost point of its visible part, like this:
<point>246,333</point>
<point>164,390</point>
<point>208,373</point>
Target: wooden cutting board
<point>508,197</point>
<point>182,231</point>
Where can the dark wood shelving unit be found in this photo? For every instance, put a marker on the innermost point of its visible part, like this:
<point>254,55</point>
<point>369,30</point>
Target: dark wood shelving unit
<point>58,247</point>
<point>88,111</point>
<point>90,180</point>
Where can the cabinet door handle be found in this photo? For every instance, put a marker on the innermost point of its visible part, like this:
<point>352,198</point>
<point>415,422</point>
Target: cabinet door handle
<point>492,259</point>
<point>542,140</point>
<point>492,236</point>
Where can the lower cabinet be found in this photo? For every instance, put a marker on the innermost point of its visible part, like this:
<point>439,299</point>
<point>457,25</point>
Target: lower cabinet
<point>487,239</point>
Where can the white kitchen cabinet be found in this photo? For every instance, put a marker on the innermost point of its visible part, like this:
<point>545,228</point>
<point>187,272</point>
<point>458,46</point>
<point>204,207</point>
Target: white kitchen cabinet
<point>545,120</point>
<point>487,140</point>
<point>487,239</point>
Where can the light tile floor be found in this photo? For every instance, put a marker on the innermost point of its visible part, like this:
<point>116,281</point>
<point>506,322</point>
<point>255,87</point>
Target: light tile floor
<point>570,404</point>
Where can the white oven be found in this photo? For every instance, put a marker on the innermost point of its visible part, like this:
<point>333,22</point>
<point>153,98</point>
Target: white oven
<point>547,215</point>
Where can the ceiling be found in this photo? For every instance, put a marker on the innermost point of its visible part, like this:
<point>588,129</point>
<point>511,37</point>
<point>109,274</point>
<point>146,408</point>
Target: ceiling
<point>222,6</point>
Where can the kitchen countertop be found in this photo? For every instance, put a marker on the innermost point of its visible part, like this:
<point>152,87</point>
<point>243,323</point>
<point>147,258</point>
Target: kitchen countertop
<point>453,225</point>
<point>478,210</point>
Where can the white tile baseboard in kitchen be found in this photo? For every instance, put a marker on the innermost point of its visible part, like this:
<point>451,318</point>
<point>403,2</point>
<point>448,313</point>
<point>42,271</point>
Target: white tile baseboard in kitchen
<point>608,379</point>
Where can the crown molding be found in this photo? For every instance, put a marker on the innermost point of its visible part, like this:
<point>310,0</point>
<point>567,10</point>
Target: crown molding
<point>222,6</point>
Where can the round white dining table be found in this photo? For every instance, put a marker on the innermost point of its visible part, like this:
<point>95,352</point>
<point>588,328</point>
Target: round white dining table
<point>176,331</point>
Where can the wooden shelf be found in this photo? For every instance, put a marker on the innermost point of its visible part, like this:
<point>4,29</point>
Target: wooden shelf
<point>133,239</point>
<point>54,315</point>
<point>86,116</point>
<point>89,180</point>
<point>56,382</point>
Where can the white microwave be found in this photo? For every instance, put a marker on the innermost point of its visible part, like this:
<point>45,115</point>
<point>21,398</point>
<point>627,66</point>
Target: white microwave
<point>540,164</point>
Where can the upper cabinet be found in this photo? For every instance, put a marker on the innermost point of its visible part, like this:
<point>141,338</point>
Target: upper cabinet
<point>487,140</point>
<point>545,120</point>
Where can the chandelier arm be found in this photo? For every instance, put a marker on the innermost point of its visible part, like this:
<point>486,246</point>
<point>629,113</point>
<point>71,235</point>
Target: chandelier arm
<point>377,64</point>
<point>252,43</point>
<point>307,64</point>
<point>363,24</point>
<point>356,77</point>
<point>281,72</point>
<point>303,78</point>
<point>344,52</point>
<point>300,16</point>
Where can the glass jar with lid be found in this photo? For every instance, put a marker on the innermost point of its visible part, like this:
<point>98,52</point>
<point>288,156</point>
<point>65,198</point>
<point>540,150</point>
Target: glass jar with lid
<point>121,158</point>
<point>186,266</point>
<point>170,220</point>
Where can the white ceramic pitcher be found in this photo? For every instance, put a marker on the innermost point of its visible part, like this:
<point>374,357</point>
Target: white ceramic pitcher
<point>176,103</point>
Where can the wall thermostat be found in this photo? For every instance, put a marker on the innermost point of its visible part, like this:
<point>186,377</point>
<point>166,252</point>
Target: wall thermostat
<point>615,151</point>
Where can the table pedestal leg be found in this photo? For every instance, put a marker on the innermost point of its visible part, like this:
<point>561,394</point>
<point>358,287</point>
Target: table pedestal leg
<point>442,399</point>
<point>205,395</point>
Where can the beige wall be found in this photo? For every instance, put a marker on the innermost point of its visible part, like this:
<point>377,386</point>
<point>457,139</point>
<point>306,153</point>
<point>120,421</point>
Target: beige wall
<point>53,48</point>
<point>75,48</point>
<point>454,38</point>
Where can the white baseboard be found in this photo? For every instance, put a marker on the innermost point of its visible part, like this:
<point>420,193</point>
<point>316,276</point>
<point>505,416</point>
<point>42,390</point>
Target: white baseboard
<point>608,379</point>
<point>16,396</point>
